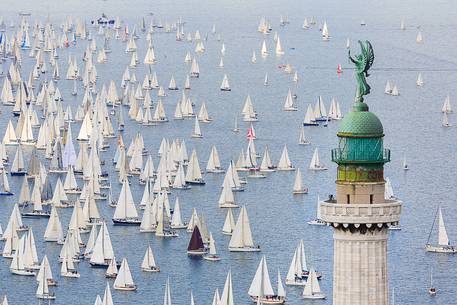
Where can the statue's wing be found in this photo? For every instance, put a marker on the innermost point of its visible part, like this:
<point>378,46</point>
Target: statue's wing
<point>368,55</point>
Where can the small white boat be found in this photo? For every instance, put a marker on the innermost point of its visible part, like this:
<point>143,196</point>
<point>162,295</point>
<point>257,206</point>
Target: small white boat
<point>312,288</point>
<point>447,108</point>
<point>212,254</point>
<point>124,280</point>
<point>317,221</point>
<point>302,138</point>
<point>444,245</point>
<point>420,80</point>
<point>149,264</point>
<point>405,164</point>
<point>241,240</point>
<point>445,120</point>
<point>315,164</point>
<point>432,289</point>
<point>225,86</point>
<point>298,186</point>
<point>261,290</point>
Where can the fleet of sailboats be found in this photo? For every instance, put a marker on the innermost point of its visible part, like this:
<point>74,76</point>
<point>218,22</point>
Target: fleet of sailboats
<point>76,174</point>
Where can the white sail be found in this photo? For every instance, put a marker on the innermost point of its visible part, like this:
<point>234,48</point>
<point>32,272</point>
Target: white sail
<point>227,293</point>
<point>261,284</point>
<point>312,288</point>
<point>443,239</point>
<point>124,277</point>
<point>241,239</point>
<point>229,223</point>
<point>148,259</point>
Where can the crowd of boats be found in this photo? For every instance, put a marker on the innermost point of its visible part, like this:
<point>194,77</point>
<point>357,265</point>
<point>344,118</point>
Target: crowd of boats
<point>82,179</point>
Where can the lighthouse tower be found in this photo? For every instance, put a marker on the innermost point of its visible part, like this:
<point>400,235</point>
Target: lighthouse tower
<point>360,215</point>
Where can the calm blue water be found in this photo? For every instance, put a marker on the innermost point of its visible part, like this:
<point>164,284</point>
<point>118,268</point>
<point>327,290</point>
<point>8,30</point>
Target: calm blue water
<point>412,123</point>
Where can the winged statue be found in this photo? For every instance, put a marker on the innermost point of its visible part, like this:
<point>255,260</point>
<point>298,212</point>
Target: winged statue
<point>363,63</point>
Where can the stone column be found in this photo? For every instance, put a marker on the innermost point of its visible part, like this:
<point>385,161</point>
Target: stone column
<point>360,266</point>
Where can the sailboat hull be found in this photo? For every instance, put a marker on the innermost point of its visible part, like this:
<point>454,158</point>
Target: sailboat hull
<point>244,249</point>
<point>127,222</point>
<point>23,272</point>
<point>36,215</point>
<point>228,205</point>
<point>125,288</point>
<point>71,274</point>
<point>212,258</point>
<point>19,173</point>
<point>440,249</point>
<point>46,296</point>
<point>269,300</point>
<point>196,252</point>
<point>318,296</point>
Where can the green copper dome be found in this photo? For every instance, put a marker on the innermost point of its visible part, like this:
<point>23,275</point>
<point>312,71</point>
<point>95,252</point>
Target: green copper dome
<point>360,122</point>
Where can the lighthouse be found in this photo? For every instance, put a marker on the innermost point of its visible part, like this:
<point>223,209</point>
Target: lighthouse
<point>359,213</point>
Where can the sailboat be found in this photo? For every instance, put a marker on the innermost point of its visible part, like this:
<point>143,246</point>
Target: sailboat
<point>298,270</point>
<point>235,125</point>
<point>197,131</point>
<point>149,263</point>
<point>395,91</point>
<point>312,288</point>
<point>214,164</point>
<point>241,240</point>
<point>37,210</point>
<point>284,163</point>
<point>176,219</point>
<point>302,139</point>
<point>419,81</point>
<point>315,163</point>
<point>18,166</point>
<point>124,280</point>
<point>42,291</point>
<point>447,105</point>
<point>212,254</point>
<point>229,223</point>
<point>298,186</point>
<point>432,289</point>
<point>4,185</point>
<point>445,120</point>
<point>125,213</point>
<point>196,246</point>
<point>444,245</point>
<point>68,268</point>
<point>194,175</point>
<point>310,119</point>
<point>18,264</point>
<point>289,103</point>
<point>325,33</point>
<point>318,221</point>
<point>102,253</point>
<point>112,271</point>
<point>226,199</point>
<point>419,38</point>
<point>405,164</point>
<point>261,290</point>
<point>225,86</point>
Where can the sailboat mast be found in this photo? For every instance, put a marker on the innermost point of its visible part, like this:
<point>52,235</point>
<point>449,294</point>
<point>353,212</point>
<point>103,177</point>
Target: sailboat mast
<point>434,220</point>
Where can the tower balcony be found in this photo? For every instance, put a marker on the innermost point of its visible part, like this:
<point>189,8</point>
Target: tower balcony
<point>387,212</point>
<point>344,156</point>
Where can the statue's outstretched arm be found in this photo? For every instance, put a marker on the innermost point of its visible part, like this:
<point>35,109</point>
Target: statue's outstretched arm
<point>350,58</point>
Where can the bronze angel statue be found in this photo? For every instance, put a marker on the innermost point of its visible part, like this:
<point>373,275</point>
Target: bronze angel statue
<point>363,63</point>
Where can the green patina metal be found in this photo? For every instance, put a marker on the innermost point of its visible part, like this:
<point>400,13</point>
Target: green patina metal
<point>361,154</point>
